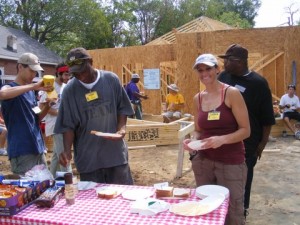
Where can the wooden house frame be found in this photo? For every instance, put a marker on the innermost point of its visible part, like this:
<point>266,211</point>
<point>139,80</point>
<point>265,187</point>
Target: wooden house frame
<point>272,52</point>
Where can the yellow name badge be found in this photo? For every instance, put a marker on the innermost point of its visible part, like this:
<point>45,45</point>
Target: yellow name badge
<point>91,96</point>
<point>213,115</point>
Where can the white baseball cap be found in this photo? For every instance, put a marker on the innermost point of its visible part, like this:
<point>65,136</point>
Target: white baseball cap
<point>135,75</point>
<point>207,59</point>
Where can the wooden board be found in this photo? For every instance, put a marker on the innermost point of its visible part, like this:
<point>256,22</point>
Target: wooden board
<point>152,134</point>
<point>279,127</point>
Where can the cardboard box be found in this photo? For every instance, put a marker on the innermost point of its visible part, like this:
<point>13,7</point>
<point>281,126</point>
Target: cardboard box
<point>13,205</point>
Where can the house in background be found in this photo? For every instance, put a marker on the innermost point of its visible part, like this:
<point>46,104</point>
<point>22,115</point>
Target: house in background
<point>13,43</point>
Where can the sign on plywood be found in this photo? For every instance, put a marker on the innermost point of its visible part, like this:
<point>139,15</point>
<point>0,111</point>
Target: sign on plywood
<point>152,79</point>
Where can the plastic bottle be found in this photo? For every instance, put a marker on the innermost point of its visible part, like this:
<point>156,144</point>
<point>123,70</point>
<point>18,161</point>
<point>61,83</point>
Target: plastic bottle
<point>75,184</point>
<point>69,189</point>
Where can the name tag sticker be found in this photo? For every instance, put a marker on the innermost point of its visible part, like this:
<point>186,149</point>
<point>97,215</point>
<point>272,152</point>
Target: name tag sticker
<point>91,96</point>
<point>241,88</point>
<point>36,110</point>
<point>215,115</point>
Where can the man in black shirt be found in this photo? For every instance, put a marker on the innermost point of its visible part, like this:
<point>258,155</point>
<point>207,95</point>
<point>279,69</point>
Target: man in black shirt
<point>258,98</point>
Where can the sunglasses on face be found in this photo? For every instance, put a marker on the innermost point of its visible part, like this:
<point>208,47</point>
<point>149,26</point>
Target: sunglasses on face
<point>75,62</point>
<point>292,86</point>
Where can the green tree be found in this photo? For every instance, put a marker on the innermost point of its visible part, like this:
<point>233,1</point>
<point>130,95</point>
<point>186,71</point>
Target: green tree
<point>234,19</point>
<point>119,14</point>
<point>244,10</point>
<point>146,17</point>
<point>63,24</point>
<point>227,11</point>
<point>59,24</point>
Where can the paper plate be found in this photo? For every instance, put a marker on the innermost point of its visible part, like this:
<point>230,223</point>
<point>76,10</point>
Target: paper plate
<point>193,208</point>
<point>118,190</point>
<point>149,206</point>
<point>137,194</point>
<point>102,134</point>
<point>211,190</point>
<point>196,145</point>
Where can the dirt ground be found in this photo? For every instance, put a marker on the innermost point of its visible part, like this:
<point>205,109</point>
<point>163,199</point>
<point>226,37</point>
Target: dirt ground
<point>276,187</point>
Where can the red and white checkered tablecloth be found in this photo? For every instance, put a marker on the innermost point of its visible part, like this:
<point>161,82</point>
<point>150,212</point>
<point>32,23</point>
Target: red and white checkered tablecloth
<point>89,209</point>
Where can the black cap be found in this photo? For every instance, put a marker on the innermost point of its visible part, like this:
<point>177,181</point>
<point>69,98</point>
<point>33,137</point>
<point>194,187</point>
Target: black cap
<point>237,51</point>
<point>78,53</point>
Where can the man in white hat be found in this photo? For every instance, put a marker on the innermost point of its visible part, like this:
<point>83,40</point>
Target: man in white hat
<point>174,104</point>
<point>22,116</point>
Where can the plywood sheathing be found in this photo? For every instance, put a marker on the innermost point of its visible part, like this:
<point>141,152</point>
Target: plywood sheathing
<point>135,59</point>
<point>272,48</point>
<point>280,44</point>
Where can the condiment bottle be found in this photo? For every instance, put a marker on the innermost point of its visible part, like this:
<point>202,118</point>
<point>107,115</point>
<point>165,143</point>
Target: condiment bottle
<point>75,184</point>
<point>69,189</point>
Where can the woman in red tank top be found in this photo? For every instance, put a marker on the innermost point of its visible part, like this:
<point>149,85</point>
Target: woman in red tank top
<point>221,123</point>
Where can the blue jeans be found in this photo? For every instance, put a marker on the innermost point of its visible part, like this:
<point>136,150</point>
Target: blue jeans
<point>137,107</point>
<point>251,162</point>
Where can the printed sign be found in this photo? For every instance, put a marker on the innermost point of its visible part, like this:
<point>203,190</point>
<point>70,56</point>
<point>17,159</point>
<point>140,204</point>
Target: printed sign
<point>152,79</point>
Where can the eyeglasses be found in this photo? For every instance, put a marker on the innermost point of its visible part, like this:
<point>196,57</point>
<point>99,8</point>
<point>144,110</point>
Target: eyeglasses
<point>75,62</point>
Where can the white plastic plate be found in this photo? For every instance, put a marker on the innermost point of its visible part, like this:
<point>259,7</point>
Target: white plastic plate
<point>193,208</point>
<point>211,190</point>
<point>196,145</point>
<point>149,206</point>
<point>102,134</point>
<point>137,194</point>
<point>118,190</point>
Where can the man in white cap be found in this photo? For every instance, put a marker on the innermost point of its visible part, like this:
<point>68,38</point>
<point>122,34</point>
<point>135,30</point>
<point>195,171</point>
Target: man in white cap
<point>174,104</point>
<point>135,95</point>
<point>22,116</point>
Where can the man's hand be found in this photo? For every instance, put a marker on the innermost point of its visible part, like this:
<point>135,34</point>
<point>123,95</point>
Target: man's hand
<point>259,150</point>
<point>65,158</point>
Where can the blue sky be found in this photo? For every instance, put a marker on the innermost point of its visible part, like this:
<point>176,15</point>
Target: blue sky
<point>272,13</point>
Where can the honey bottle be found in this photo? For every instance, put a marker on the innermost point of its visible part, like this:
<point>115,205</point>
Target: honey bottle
<point>69,189</point>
